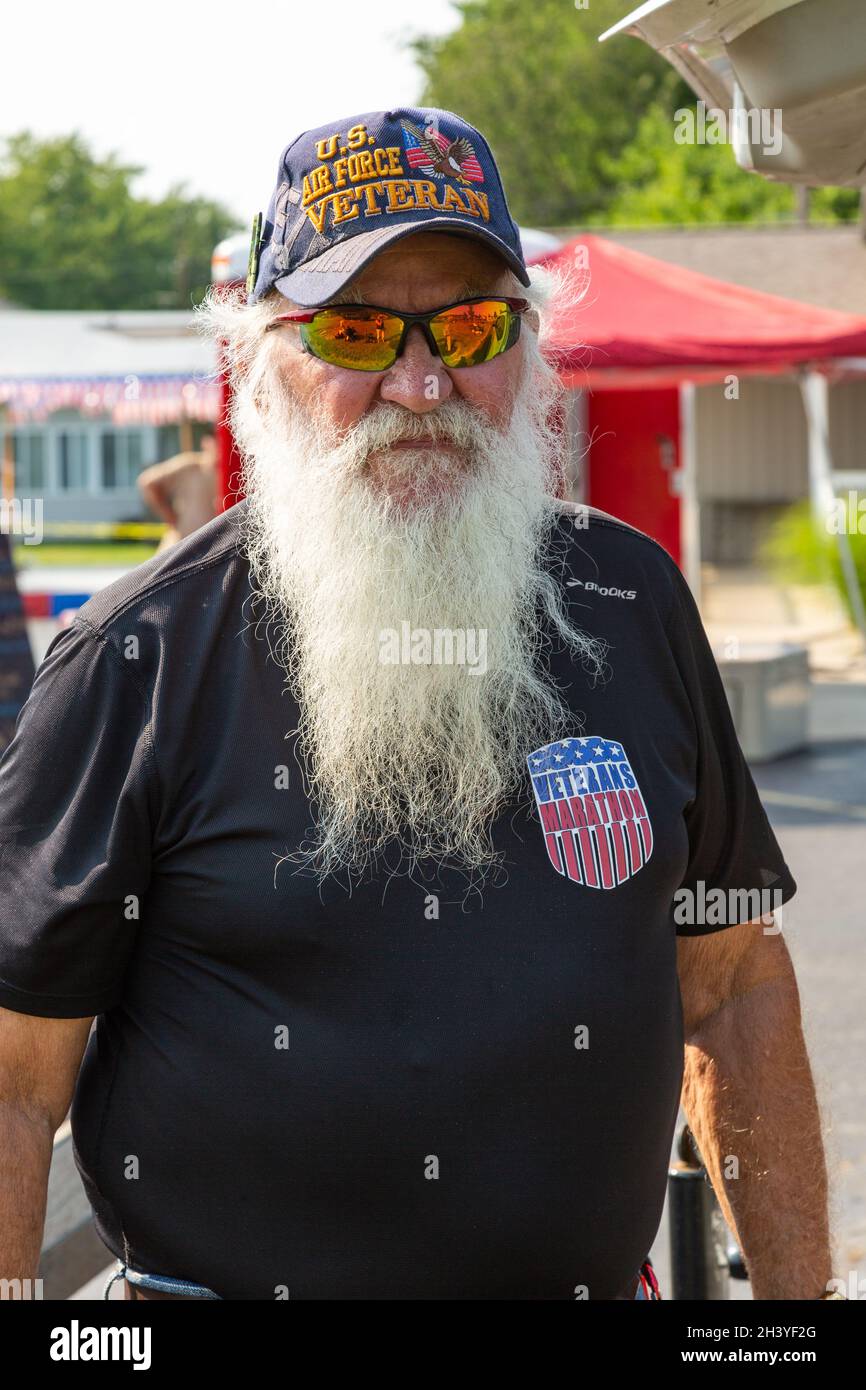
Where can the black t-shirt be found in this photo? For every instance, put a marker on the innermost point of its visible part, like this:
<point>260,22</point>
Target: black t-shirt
<point>398,1092</point>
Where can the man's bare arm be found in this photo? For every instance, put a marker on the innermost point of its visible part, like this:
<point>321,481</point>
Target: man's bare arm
<point>750,1100</point>
<point>39,1063</point>
<point>158,482</point>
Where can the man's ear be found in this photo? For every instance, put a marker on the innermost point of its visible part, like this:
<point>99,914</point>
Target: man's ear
<point>532,319</point>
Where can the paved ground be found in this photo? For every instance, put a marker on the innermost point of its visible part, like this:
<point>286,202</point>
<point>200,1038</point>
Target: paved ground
<point>816,800</point>
<point>744,604</point>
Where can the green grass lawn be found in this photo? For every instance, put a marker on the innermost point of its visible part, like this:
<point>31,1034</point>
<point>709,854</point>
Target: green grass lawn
<point>116,554</point>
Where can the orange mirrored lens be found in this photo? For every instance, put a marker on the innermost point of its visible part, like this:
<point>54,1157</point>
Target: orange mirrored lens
<point>364,339</point>
<point>473,333</point>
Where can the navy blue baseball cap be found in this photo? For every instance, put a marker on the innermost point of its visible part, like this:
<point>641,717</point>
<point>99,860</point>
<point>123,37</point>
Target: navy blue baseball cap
<point>353,186</point>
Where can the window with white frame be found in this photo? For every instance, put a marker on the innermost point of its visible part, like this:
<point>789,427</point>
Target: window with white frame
<point>121,458</point>
<point>67,454</point>
<point>29,455</point>
<point>72,460</point>
<point>167,441</point>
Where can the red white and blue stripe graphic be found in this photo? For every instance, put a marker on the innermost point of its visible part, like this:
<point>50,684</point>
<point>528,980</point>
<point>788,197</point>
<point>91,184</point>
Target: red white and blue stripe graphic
<point>419,158</point>
<point>595,822</point>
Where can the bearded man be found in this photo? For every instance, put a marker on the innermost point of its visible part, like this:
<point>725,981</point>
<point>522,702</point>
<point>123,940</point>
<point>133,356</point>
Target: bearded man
<point>371,814</point>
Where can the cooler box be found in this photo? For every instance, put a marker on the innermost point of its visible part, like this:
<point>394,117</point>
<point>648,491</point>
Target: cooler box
<point>767,686</point>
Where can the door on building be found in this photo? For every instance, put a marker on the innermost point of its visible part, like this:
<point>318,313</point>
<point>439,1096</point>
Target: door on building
<point>634,460</point>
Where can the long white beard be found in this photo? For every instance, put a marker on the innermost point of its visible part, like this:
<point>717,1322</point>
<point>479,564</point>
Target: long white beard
<point>406,760</point>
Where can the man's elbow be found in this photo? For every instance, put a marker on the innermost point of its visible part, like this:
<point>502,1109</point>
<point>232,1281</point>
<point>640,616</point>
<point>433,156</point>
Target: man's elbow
<point>762,1006</point>
<point>762,977</point>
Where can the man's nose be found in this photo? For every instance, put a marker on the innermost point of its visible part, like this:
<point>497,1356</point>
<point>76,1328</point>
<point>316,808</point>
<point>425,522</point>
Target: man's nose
<point>417,380</point>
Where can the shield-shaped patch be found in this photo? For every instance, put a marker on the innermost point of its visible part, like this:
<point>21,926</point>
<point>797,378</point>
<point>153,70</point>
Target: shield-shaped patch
<point>593,814</point>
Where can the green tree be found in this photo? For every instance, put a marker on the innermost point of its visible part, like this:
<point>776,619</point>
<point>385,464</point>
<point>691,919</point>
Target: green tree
<point>73,235</point>
<point>661,181</point>
<point>555,104</point>
<point>801,551</point>
<point>583,132</point>
<point>835,204</point>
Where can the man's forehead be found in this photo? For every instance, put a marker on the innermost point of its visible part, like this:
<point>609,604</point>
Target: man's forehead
<point>460,262</point>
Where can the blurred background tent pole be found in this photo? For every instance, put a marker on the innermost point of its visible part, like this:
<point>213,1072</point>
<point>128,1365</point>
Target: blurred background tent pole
<point>815,393</point>
<point>687,483</point>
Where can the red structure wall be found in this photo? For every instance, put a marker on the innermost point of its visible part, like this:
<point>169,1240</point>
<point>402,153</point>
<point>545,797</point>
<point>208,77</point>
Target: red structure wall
<point>633,458</point>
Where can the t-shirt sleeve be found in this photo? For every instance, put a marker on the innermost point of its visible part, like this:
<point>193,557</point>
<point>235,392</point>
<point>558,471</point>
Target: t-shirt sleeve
<point>77,802</point>
<point>732,846</point>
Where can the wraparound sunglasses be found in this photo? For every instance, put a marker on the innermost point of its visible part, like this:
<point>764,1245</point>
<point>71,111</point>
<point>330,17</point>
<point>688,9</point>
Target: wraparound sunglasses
<point>370,338</point>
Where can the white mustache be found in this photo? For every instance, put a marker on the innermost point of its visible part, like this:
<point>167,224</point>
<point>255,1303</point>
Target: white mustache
<point>451,422</point>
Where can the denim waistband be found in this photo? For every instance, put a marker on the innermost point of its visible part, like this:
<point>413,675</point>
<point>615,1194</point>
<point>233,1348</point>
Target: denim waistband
<point>647,1284</point>
<point>162,1283</point>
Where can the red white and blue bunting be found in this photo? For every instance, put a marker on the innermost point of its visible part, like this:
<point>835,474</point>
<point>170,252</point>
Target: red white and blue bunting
<point>126,400</point>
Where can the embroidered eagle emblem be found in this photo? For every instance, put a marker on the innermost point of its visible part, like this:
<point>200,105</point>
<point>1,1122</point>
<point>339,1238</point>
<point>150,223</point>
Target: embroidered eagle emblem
<point>430,152</point>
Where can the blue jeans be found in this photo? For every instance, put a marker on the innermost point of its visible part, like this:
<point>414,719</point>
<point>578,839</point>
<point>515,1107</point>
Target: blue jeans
<point>162,1283</point>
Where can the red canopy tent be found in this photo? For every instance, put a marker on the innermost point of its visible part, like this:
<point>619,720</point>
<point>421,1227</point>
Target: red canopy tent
<point>638,321</point>
<point>637,334</point>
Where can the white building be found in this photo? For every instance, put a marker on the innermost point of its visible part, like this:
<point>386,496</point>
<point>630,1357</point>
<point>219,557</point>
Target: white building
<point>89,398</point>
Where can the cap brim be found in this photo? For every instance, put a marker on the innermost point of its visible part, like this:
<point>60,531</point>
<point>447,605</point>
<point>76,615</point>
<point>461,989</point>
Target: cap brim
<point>317,280</point>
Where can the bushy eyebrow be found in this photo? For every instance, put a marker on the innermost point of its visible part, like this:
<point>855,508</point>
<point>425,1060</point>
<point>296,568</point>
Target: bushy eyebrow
<point>350,296</point>
<point>471,289</point>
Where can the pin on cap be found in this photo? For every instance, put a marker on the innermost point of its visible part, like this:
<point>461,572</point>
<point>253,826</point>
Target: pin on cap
<point>346,190</point>
<point>255,253</point>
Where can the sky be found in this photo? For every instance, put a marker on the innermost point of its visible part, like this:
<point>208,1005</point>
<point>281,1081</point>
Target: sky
<point>208,94</point>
